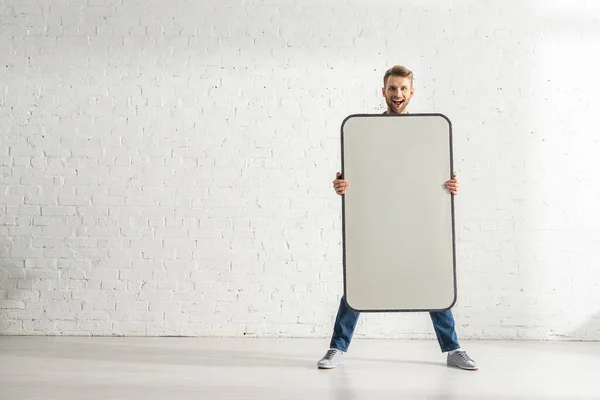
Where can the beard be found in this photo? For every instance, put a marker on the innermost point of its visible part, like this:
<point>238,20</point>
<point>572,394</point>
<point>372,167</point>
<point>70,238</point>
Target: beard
<point>397,108</point>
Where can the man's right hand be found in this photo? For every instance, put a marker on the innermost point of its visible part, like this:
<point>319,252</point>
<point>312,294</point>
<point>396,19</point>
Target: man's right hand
<point>340,185</point>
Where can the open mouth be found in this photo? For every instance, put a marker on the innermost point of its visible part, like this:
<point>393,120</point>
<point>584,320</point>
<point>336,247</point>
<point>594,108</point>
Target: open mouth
<point>397,103</point>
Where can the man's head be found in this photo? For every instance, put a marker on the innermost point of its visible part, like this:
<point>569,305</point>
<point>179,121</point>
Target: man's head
<point>397,89</point>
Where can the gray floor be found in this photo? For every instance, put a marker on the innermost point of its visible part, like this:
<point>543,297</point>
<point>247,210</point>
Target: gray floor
<point>214,369</point>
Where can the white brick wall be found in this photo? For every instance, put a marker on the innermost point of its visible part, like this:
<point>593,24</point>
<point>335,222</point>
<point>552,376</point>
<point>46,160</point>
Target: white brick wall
<point>165,166</point>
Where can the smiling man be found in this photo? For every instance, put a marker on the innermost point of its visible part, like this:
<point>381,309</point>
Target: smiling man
<point>398,91</point>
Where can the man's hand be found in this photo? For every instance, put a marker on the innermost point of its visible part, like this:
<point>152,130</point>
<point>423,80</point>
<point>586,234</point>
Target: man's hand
<point>452,185</point>
<point>340,185</point>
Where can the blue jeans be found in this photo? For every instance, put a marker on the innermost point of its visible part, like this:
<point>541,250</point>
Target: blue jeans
<point>345,322</point>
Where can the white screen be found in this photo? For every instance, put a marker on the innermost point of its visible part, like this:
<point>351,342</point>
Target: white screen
<point>398,216</point>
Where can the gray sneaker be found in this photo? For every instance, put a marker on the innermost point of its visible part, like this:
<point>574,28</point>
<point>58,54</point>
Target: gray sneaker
<point>332,359</point>
<point>461,360</point>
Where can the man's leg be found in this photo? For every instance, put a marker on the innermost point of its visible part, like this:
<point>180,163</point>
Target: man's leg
<point>345,323</point>
<point>444,326</point>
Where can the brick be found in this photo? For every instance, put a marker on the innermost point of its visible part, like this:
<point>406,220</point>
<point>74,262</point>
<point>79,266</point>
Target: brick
<point>11,327</point>
<point>23,210</point>
<point>12,304</point>
<point>58,211</point>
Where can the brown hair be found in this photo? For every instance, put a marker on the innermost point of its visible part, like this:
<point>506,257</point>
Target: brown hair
<point>398,70</point>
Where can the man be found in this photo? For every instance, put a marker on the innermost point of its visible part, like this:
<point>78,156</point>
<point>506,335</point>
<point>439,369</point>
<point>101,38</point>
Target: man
<point>398,91</point>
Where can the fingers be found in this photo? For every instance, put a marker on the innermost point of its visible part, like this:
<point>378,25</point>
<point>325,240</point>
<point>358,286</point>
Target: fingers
<point>453,185</point>
<point>340,185</point>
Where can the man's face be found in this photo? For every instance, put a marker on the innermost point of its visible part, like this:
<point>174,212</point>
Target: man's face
<point>397,92</point>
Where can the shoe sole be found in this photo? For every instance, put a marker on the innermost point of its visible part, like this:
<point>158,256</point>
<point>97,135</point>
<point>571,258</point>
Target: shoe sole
<point>464,369</point>
<point>327,366</point>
